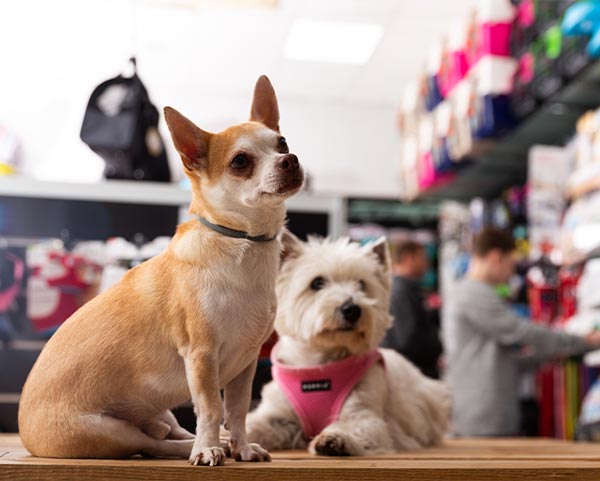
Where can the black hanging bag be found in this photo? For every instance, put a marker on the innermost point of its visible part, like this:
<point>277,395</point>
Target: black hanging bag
<point>121,126</point>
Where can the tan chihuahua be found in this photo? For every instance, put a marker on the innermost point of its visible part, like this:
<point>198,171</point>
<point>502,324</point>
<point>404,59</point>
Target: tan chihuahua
<point>184,324</point>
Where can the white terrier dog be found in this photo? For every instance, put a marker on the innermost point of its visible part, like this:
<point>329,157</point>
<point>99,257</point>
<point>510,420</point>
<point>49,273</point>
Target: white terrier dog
<point>333,389</point>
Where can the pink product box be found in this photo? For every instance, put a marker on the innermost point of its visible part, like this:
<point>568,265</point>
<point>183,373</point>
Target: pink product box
<point>492,38</point>
<point>455,69</point>
<point>426,171</point>
<point>495,39</point>
<point>428,177</point>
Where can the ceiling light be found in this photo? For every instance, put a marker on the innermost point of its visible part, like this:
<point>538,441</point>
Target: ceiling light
<point>335,42</point>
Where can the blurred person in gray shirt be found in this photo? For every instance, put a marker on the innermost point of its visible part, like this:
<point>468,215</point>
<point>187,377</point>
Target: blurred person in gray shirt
<point>487,345</point>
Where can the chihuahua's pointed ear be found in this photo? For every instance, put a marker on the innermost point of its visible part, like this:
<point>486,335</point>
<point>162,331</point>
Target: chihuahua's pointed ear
<point>190,141</point>
<point>264,104</point>
<point>292,247</point>
<point>381,249</point>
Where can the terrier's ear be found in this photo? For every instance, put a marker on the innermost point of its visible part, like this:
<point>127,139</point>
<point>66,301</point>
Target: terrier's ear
<point>264,104</point>
<point>292,247</point>
<point>381,249</point>
<point>190,141</point>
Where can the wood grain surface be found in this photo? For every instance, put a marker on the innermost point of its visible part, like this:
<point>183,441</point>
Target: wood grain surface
<point>457,460</point>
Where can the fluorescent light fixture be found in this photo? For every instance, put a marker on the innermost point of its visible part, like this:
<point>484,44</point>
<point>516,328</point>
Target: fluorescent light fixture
<point>334,42</point>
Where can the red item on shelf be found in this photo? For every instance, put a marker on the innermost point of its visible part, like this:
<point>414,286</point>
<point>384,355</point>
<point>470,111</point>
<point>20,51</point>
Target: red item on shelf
<point>543,301</point>
<point>60,290</point>
<point>545,378</point>
<point>567,291</point>
<point>560,401</point>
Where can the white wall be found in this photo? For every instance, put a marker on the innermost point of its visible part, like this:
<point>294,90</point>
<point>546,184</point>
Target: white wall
<point>55,53</point>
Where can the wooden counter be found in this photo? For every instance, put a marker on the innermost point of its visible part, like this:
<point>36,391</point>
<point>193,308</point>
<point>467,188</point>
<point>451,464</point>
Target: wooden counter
<point>457,460</point>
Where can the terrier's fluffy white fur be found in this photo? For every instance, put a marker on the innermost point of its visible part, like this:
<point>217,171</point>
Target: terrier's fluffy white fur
<point>391,408</point>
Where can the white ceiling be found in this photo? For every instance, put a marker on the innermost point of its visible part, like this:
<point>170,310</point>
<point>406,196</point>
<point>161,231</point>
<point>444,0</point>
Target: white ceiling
<point>226,49</point>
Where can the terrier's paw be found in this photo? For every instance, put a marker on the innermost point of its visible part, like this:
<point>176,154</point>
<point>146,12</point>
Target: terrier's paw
<point>260,433</point>
<point>251,452</point>
<point>330,444</point>
<point>214,456</point>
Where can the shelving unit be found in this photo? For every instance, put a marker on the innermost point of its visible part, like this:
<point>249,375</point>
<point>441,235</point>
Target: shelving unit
<point>493,166</point>
<point>155,193</point>
<point>31,210</point>
<point>390,210</point>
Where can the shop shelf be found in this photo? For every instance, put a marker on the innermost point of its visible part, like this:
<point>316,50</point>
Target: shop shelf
<point>125,191</point>
<point>154,193</point>
<point>494,166</point>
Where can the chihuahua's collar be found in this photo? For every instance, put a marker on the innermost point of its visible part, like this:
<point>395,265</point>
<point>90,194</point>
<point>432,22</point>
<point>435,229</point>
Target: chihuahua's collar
<point>236,234</point>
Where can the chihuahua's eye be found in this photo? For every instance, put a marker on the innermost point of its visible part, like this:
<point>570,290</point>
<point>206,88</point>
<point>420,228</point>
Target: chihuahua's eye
<point>363,285</point>
<point>317,283</point>
<point>283,146</point>
<point>240,161</point>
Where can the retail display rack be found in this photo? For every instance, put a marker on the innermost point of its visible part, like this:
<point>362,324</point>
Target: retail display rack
<point>494,165</point>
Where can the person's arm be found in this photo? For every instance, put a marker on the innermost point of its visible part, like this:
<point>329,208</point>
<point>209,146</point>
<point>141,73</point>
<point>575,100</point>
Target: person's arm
<point>493,318</point>
<point>533,358</point>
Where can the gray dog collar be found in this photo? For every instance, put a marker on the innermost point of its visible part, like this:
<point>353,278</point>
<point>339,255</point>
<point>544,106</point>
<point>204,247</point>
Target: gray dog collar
<point>236,234</point>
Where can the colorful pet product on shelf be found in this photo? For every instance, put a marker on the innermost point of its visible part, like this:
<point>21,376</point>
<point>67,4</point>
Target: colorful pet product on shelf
<point>580,305</point>
<point>494,21</point>
<point>435,166</point>
<point>583,18</point>
<point>12,270</point>
<point>532,19</point>
<point>589,419</point>
<point>59,284</point>
<point>455,59</point>
<point>524,28</point>
<point>499,66</point>
<point>493,79</point>
<point>444,133</point>
<point>433,93</point>
<point>10,151</point>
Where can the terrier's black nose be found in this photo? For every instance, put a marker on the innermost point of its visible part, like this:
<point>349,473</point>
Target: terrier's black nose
<point>351,312</point>
<point>289,162</point>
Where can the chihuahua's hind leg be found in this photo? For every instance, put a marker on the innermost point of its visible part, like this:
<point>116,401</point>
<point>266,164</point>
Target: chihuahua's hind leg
<point>103,436</point>
<point>177,432</point>
<point>157,429</point>
<point>165,426</point>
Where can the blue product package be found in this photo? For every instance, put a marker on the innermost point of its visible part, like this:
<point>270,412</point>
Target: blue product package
<point>433,96</point>
<point>442,161</point>
<point>494,116</point>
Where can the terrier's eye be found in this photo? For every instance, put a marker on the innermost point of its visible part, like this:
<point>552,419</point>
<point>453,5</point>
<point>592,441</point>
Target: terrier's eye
<point>240,161</point>
<point>363,285</point>
<point>317,283</point>
<point>283,146</point>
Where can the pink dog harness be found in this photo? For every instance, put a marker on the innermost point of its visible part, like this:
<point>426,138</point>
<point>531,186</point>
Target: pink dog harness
<point>317,393</point>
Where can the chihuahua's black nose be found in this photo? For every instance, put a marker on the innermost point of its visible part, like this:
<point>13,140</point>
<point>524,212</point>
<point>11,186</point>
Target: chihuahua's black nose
<point>351,312</point>
<point>289,162</point>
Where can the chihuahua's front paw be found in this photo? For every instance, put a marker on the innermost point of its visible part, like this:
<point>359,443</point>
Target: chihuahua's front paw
<point>251,452</point>
<point>214,456</point>
<point>331,444</point>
